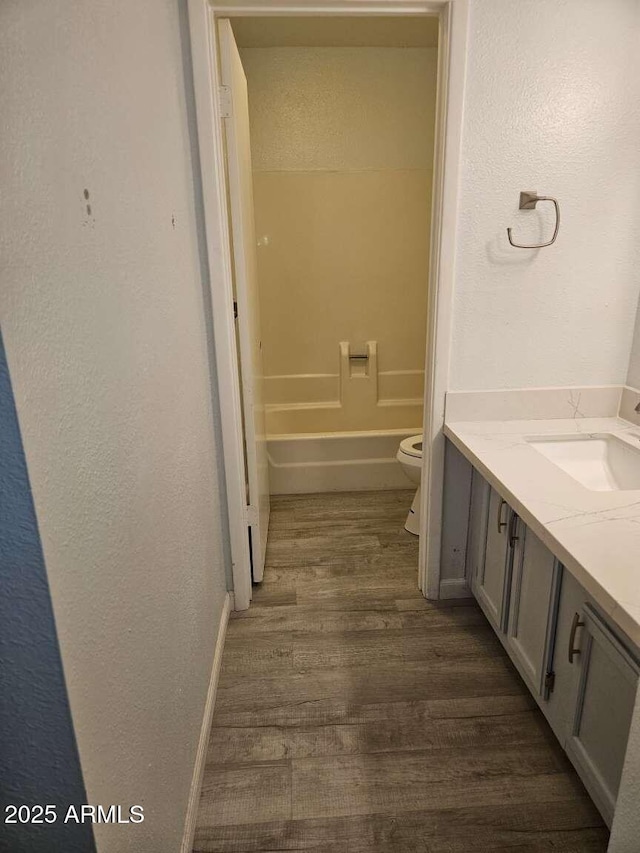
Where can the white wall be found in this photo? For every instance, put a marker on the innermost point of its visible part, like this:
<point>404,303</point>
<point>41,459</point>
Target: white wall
<point>552,104</point>
<point>104,324</point>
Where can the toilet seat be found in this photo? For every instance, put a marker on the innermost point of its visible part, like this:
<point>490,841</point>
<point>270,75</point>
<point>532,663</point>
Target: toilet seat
<point>412,446</point>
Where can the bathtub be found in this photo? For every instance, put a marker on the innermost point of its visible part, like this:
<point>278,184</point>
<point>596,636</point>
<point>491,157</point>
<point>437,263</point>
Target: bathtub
<point>302,463</point>
<point>340,432</point>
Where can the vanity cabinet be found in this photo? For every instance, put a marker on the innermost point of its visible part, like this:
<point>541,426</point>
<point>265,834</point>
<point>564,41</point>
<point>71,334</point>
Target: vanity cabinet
<point>583,674</point>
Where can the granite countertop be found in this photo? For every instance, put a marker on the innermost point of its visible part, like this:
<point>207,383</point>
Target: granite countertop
<point>594,534</point>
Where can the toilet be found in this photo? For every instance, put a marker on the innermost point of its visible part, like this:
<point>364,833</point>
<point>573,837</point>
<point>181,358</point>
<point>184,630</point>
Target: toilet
<point>410,457</point>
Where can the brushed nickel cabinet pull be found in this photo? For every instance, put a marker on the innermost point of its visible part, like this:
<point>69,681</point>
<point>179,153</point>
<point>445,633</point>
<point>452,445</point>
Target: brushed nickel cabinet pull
<point>513,526</point>
<point>577,623</point>
<point>501,523</point>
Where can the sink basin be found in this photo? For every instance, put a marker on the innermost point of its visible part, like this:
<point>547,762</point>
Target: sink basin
<point>602,463</point>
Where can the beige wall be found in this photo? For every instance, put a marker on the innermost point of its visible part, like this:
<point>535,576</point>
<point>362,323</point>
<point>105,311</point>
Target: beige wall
<point>342,142</point>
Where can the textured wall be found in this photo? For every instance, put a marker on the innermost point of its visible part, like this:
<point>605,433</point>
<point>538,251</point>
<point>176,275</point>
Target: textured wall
<point>40,763</point>
<point>341,109</point>
<point>104,325</point>
<point>342,142</point>
<point>552,104</point>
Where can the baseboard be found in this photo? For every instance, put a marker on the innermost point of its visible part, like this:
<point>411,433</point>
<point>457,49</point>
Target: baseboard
<point>201,753</point>
<point>454,588</point>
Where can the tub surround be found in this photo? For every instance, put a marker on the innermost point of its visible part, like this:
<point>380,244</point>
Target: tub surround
<point>358,397</point>
<point>348,443</point>
<point>324,388</point>
<point>335,130</point>
<point>333,418</point>
<point>594,534</point>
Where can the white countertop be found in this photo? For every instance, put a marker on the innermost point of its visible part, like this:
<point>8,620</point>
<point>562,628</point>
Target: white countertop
<point>594,534</point>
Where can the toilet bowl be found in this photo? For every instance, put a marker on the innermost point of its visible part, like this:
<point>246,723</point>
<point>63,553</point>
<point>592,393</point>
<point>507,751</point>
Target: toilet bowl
<point>410,457</point>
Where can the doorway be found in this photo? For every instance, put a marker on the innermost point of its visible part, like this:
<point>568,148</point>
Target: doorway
<point>451,25</point>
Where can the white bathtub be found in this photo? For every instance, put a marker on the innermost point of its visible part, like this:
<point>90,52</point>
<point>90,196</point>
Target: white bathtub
<point>336,462</point>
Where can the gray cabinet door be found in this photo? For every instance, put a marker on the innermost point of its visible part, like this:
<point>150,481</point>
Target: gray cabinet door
<point>608,680</point>
<point>477,530</point>
<point>491,583</point>
<point>560,707</point>
<point>531,621</point>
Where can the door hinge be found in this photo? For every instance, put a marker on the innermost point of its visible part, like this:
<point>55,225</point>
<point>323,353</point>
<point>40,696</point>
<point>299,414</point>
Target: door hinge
<point>224,99</point>
<point>235,309</point>
<point>549,681</point>
<point>252,514</point>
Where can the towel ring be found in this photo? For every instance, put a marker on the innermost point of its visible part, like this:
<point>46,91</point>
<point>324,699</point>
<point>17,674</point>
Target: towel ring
<point>528,201</point>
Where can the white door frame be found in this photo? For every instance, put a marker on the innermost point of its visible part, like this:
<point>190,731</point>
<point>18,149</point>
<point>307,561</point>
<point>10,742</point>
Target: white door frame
<point>453,17</point>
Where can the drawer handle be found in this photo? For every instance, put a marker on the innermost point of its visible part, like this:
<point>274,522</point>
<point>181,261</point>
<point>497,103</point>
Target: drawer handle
<point>577,623</point>
<point>501,523</point>
<point>513,526</point>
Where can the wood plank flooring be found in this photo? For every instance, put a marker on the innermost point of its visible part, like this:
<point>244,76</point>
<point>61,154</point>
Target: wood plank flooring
<point>353,716</point>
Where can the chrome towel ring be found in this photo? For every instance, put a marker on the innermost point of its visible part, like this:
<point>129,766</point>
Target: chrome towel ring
<point>528,201</point>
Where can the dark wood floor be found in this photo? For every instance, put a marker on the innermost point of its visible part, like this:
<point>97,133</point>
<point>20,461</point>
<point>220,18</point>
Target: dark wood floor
<point>352,716</point>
